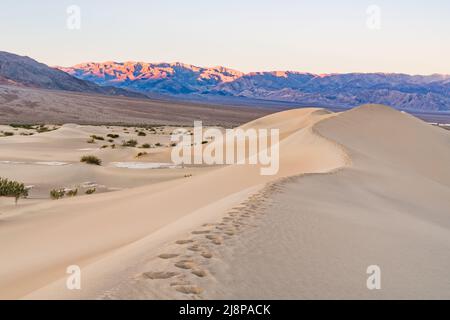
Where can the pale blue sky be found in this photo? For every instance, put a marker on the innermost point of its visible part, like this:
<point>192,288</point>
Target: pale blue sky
<point>249,35</point>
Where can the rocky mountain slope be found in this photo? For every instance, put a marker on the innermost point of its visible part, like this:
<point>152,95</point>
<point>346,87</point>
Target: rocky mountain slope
<point>26,72</point>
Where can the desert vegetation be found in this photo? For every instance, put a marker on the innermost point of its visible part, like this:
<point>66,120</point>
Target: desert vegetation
<point>130,143</point>
<point>57,194</point>
<point>72,192</point>
<point>6,133</point>
<point>90,191</point>
<point>14,189</point>
<point>95,137</point>
<point>90,159</point>
<point>140,154</point>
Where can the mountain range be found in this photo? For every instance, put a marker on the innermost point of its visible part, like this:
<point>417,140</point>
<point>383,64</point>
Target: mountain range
<point>216,84</point>
<point>426,93</point>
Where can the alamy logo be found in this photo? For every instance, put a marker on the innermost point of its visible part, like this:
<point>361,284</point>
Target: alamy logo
<point>374,17</point>
<point>235,146</point>
<point>73,281</point>
<point>73,17</point>
<point>374,280</point>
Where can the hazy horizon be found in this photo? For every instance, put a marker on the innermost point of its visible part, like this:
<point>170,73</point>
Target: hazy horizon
<point>314,37</point>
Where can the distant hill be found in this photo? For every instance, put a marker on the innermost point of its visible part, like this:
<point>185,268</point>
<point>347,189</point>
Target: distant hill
<point>419,93</point>
<point>26,72</point>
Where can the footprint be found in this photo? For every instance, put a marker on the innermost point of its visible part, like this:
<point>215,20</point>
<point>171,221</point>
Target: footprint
<point>194,248</point>
<point>215,239</point>
<point>208,224</point>
<point>180,283</point>
<point>199,273</point>
<point>185,264</point>
<point>168,255</point>
<point>189,289</point>
<point>207,255</point>
<point>159,275</point>
<point>184,241</point>
<point>201,232</point>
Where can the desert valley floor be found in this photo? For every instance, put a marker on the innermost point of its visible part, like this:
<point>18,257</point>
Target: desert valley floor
<point>368,186</point>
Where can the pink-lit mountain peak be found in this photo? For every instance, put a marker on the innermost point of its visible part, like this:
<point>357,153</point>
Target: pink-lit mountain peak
<point>134,70</point>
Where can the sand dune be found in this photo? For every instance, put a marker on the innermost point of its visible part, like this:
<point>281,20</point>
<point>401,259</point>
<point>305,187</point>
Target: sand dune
<point>390,208</point>
<point>370,171</point>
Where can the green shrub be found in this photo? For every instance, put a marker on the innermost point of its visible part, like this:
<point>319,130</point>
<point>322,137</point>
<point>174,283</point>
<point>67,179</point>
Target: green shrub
<point>130,143</point>
<point>23,126</point>
<point>97,137</point>
<point>91,160</point>
<point>140,154</point>
<point>90,191</point>
<point>72,193</point>
<point>57,194</point>
<point>12,189</point>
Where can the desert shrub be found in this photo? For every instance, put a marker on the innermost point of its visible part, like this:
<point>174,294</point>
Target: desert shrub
<point>14,189</point>
<point>43,128</point>
<point>140,154</point>
<point>91,160</point>
<point>90,191</point>
<point>113,146</point>
<point>8,134</point>
<point>57,194</point>
<point>130,143</point>
<point>23,126</point>
<point>142,134</point>
<point>90,141</point>
<point>97,137</point>
<point>145,146</point>
<point>72,192</point>
<point>112,135</point>
<point>104,146</point>
<point>158,144</point>
<point>110,140</point>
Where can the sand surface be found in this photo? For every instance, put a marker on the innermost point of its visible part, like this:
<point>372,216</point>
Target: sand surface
<point>367,186</point>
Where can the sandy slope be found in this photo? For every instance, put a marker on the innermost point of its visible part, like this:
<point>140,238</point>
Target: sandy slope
<point>391,209</point>
<point>244,237</point>
<point>45,238</point>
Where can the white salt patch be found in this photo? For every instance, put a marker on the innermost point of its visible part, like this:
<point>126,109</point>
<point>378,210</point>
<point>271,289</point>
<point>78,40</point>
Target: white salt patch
<point>11,162</point>
<point>144,165</point>
<point>51,163</point>
<point>89,184</point>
